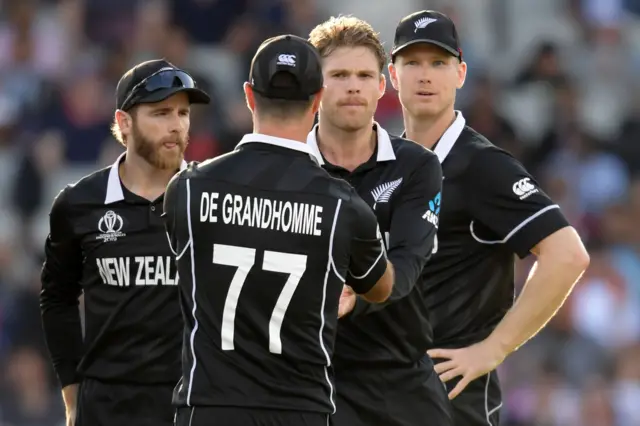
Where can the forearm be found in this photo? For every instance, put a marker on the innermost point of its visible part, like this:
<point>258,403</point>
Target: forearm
<point>548,286</point>
<point>402,286</point>
<point>63,335</point>
<point>70,397</point>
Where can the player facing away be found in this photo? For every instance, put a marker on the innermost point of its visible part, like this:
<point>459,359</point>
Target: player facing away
<point>492,210</point>
<point>266,241</point>
<point>107,241</point>
<point>382,376</point>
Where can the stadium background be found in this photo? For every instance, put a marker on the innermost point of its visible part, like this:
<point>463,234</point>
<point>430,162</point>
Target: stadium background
<point>552,81</point>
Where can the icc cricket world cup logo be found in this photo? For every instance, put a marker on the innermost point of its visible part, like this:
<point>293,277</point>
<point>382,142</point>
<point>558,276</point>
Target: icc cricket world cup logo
<point>110,225</point>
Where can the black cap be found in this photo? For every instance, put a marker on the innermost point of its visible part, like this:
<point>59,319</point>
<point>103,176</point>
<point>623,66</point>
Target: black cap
<point>427,26</point>
<point>286,54</point>
<point>133,80</point>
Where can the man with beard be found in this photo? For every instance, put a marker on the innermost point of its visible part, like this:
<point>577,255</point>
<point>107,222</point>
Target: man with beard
<point>382,377</point>
<point>107,241</point>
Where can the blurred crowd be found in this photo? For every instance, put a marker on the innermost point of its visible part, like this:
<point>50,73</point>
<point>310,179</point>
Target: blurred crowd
<point>552,81</point>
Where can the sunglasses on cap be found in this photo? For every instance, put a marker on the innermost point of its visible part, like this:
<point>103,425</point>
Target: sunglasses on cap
<point>163,79</point>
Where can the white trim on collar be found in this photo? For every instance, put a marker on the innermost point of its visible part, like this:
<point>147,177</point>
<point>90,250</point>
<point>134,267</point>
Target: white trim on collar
<point>114,185</point>
<point>385,148</point>
<point>449,138</point>
<point>281,142</point>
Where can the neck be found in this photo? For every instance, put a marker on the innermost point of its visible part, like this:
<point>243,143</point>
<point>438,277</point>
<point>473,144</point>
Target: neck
<point>142,178</point>
<point>347,149</point>
<point>428,130</point>
<point>292,131</point>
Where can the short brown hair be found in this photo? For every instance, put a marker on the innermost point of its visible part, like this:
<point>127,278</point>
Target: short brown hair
<point>117,133</point>
<point>347,31</point>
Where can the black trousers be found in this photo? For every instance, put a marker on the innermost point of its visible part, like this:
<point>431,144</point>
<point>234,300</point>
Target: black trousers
<point>114,404</point>
<point>479,404</point>
<point>407,396</point>
<point>243,416</point>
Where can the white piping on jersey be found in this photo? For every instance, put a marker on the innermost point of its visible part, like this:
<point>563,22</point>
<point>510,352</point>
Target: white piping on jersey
<point>193,296</point>
<point>184,250</point>
<point>114,185</point>
<point>374,264</point>
<point>170,246</point>
<point>193,410</point>
<point>514,230</point>
<point>385,149</point>
<point>335,271</point>
<point>449,138</point>
<point>324,299</point>
<point>486,402</point>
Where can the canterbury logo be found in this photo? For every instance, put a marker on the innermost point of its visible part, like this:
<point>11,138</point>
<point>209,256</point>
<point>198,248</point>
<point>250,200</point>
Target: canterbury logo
<point>524,188</point>
<point>285,59</point>
<point>382,193</point>
<point>423,22</point>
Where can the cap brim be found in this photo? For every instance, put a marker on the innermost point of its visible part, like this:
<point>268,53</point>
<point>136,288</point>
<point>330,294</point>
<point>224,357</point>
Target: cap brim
<point>196,96</point>
<point>449,49</point>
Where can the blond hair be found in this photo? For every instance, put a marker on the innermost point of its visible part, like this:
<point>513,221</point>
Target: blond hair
<point>117,133</point>
<point>347,31</point>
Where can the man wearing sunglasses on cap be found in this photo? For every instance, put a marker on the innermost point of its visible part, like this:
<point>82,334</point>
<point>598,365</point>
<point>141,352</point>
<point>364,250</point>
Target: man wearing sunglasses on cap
<point>107,241</point>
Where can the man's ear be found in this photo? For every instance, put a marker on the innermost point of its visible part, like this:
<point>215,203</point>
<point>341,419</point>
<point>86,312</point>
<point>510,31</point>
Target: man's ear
<point>393,74</point>
<point>124,120</point>
<point>317,100</point>
<point>462,74</point>
<point>248,94</point>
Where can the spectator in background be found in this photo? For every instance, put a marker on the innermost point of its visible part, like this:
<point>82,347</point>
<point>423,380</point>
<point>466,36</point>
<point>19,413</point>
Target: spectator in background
<point>29,399</point>
<point>482,115</point>
<point>83,122</point>
<point>544,67</point>
<point>208,21</point>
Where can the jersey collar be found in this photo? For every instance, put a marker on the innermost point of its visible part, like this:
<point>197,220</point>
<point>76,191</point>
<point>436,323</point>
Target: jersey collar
<point>385,149</point>
<point>281,142</point>
<point>114,185</point>
<point>449,137</point>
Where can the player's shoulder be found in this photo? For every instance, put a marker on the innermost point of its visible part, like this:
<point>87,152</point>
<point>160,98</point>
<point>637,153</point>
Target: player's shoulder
<point>88,190</point>
<point>475,143</point>
<point>410,152</point>
<point>337,188</point>
<point>479,151</point>
<point>411,156</point>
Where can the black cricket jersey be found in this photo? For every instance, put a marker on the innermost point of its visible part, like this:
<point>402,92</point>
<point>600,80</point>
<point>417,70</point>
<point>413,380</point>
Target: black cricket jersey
<point>266,239</point>
<point>401,183</point>
<point>492,208</point>
<point>110,245</point>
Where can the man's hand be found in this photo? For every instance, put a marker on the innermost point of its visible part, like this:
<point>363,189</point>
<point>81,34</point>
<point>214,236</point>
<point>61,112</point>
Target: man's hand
<point>347,301</point>
<point>70,396</point>
<point>470,363</point>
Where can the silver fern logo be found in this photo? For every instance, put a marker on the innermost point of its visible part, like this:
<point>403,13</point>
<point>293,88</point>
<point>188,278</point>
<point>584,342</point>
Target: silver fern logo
<point>382,193</point>
<point>423,22</point>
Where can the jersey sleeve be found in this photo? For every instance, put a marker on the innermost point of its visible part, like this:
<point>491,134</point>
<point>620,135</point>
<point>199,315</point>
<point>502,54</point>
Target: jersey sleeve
<point>367,261</point>
<point>414,224</point>
<point>508,201</point>
<point>60,292</point>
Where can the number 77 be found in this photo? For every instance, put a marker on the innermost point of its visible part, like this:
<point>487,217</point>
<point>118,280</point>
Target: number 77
<point>244,259</point>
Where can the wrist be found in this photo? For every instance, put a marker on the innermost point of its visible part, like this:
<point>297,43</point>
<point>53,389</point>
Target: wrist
<point>497,346</point>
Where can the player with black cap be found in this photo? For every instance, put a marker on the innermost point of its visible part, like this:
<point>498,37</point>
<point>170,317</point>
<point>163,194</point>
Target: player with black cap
<point>107,241</point>
<point>492,209</point>
<point>267,239</point>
